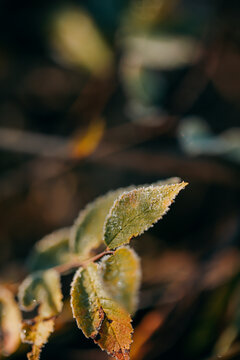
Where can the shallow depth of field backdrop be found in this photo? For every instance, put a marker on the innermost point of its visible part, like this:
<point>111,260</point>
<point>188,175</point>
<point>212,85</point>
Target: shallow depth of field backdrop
<point>95,95</point>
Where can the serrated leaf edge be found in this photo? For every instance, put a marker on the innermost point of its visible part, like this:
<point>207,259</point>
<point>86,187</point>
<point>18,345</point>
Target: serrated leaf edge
<point>183,183</point>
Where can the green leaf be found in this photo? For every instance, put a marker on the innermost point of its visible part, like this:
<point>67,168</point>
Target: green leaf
<point>51,251</point>
<point>98,315</point>
<point>42,288</point>
<point>135,211</point>
<point>121,275</point>
<point>86,291</point>
<point>10,320</point>
<point>87,232</point>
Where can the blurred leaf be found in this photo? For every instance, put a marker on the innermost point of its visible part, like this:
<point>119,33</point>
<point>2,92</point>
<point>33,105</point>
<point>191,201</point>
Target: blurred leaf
<point>87,233</point>
<point>144,331</point>
<point>196,138</point>
<point>41,288</point>
<point>205,329</point>
<point>99,316</point>
<point>137,210</point>
<point>144,15</point>
<point>51,251</point>
<point>76,39</point>
<point>10,320</point>
<point>121,274</point>
<point>85,145</point>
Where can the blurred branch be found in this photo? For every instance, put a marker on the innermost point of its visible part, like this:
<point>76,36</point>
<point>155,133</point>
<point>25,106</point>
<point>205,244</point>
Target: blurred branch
<point>207,171</point>
<point>52,146</point>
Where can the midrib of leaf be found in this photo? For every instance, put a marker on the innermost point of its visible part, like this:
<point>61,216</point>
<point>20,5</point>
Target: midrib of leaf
<point>119,343</point>
<point>134,218</point>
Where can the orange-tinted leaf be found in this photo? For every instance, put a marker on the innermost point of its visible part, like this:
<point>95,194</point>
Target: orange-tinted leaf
<point>115,334</point>
<point>98,315</point>
<point>86,144</point>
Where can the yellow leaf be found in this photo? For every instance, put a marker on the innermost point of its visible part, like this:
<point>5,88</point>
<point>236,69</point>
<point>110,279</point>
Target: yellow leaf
<point>77,40</point>
<point>10,320</point>
<point>84,145</point>
<point>36,332</point>
<point>137,210</point>
<point>121,275</point>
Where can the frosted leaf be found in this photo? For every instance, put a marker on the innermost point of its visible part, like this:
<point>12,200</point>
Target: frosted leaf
<point>98,315</point>
<point>137,210</point>
<point>121,275</point>
<point>87,232</point>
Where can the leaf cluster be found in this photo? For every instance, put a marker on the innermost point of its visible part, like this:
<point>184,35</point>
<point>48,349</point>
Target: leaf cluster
<point>104,289</point>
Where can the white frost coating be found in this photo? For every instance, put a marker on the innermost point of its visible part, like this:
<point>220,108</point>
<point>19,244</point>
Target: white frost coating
<point>84,212</point>
<point>112,220</point>
<point>102,268</point>
<point>76,276</point>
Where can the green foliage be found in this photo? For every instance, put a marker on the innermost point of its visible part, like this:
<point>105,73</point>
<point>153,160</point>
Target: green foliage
<point>87,233</point>
<point>51,251</point>
<point>121,274</point>
<point>135,211</point>
<point>43,288</point>
<point>104,294</point>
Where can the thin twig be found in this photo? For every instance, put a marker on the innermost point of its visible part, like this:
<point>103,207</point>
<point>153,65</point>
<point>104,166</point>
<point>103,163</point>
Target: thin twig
<point>64,268</point>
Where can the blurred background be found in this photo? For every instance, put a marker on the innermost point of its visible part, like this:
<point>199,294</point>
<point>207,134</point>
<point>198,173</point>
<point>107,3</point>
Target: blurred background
<point>96,95</point>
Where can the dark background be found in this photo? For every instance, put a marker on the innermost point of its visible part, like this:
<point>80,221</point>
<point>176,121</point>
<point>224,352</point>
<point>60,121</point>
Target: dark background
<point>96,95</point>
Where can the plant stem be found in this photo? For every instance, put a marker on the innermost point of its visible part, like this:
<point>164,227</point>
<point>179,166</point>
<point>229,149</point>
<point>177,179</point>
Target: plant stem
<point>68,267</point>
